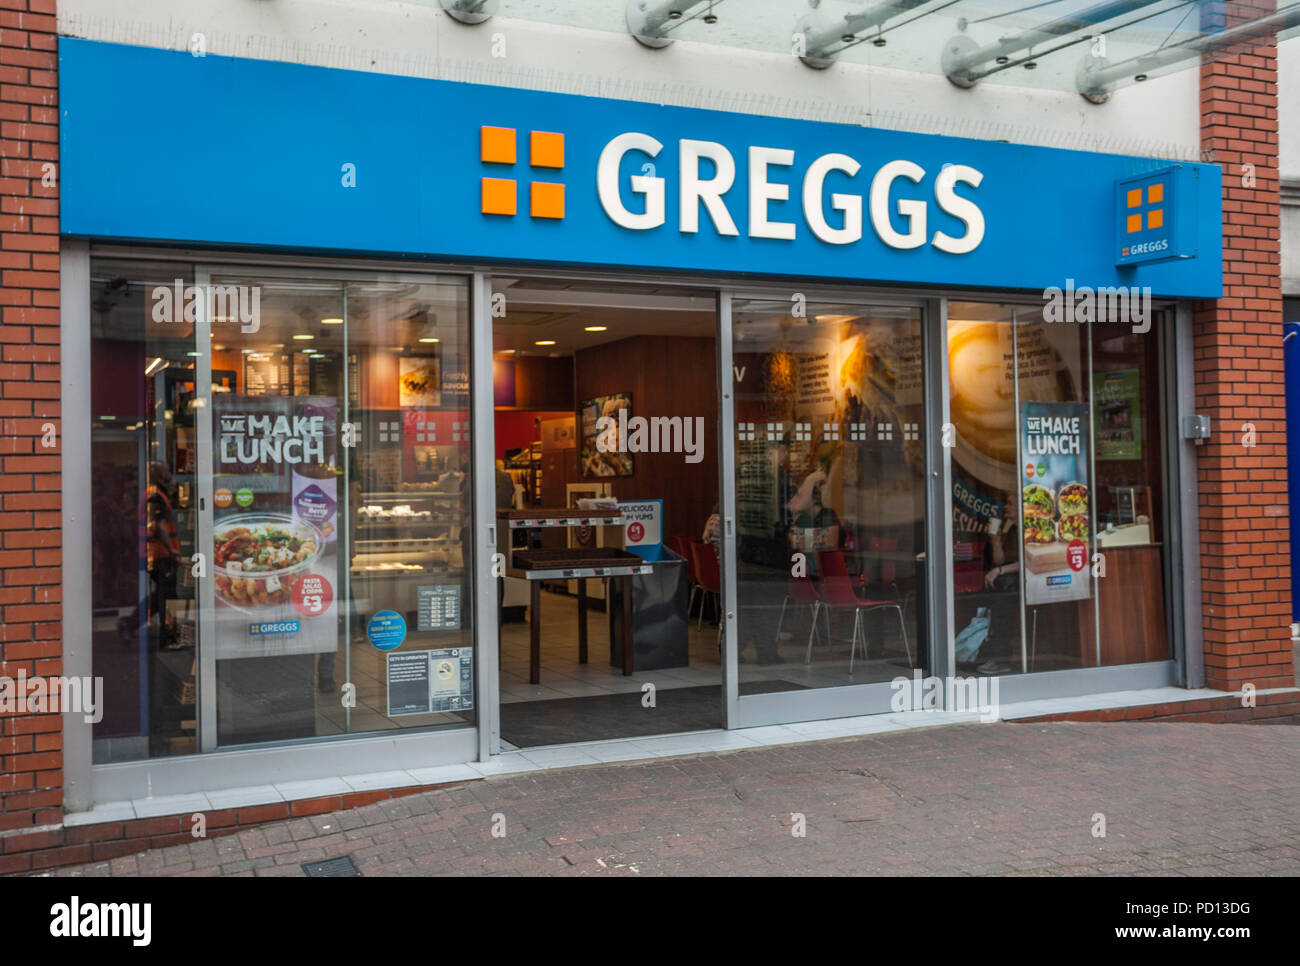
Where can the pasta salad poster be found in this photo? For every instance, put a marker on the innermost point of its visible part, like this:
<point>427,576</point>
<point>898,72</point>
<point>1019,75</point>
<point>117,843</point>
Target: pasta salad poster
<point>1055,501</point>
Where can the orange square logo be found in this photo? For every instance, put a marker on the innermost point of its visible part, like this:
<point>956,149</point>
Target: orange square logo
<point>546,149</point>
<point>1155,218</point>
<point>497,145</point>
<point>1135,198</point>
<point>1155,193</point>
<point>1134,223</point>
<point>547,200</point>
<point>498,196</point>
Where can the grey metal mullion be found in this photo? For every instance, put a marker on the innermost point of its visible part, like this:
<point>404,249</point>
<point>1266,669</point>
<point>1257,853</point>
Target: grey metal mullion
<point>940,614</point>
<point>75,506</point>
<point>347,604</point>
<point>1020,534</point>
<point>483,518</point>
<point>727,479</point>
<point>1090,384</point>
<point>1182,516</point>
<point>206,639</point>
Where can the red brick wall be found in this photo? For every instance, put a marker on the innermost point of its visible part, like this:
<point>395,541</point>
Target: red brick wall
<point>1245,555</point>
<point>31,747</point>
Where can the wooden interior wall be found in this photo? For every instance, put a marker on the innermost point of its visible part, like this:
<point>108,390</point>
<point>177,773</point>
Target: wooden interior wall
<point>667,376</point>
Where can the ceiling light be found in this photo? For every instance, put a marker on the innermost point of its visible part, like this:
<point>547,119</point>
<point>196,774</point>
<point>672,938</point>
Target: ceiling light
<point>331,321</point>
<point>304,336</point>
<point>153,365</point>
<point>430,339</point>
<point>595,328</point>
<point>544,342</point>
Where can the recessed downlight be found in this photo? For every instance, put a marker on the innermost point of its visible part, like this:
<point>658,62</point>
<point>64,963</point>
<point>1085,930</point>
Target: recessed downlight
<point>594,328</point>
<point>544,342</point>
<point>331,321</point>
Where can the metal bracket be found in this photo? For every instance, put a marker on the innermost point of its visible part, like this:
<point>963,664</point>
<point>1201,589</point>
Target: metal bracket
<point>1196,427</point>
<point>470,11</point>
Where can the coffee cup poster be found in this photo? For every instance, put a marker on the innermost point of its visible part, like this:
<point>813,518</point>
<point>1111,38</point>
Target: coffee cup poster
<point>1055,501</point>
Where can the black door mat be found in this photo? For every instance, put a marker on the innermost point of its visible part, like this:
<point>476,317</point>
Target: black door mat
<point>602,717</point>
<point>341,867</point>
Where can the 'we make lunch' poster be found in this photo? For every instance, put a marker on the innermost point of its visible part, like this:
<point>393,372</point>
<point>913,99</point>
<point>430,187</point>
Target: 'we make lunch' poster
<point>1055,502</point>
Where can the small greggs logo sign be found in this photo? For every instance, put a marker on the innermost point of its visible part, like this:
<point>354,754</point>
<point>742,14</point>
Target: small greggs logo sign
<point>706,172</point>
<point>499,196</point>
<point>1154,215</point>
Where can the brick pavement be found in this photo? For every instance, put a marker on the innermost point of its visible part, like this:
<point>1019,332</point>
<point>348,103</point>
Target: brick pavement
<point>999,799</point>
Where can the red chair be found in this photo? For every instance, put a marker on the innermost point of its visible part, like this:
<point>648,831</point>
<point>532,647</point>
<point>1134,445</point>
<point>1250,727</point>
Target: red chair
<point>801,590</point>
<point>710,575</point>
<point>836,590</point>
<point>888,568</point>
<point>682,547</point>
<point>967,568</point>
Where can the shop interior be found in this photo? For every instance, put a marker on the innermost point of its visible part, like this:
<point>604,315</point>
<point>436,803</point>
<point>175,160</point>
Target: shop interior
<point>566,354</point>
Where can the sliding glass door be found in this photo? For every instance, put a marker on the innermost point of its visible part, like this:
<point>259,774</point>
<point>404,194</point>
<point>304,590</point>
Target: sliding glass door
<point>828,441</point>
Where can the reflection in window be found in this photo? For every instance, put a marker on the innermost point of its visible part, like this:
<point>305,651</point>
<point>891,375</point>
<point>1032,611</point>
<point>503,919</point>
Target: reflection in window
<point>830,463</point>
<point>1056,482</point>
<point>334,416</point>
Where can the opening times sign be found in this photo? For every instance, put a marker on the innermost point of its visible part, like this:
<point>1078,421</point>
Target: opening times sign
<point>1055,501</point>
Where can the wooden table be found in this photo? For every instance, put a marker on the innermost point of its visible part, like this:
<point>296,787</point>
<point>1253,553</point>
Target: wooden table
<point>580,565</point>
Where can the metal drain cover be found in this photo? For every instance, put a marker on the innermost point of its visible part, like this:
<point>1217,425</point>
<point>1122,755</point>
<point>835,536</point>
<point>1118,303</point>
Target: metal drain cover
<point>340,868</point>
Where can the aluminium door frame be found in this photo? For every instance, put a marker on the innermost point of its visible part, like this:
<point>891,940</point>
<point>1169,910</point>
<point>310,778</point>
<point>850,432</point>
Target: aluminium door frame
<point>482,438</point>
<point>814,704</point>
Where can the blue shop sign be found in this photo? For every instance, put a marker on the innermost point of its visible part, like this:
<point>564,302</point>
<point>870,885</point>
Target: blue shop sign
<point>160,145</point>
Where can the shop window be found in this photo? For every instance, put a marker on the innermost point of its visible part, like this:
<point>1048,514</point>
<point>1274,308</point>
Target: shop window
<point>1058,498</point>
<point>830,494</point>
<point>333,417</point>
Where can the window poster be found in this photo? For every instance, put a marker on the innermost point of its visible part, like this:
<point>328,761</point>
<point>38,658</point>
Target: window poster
<point>418,381</point>
<point>274,563</point>
<point>1117,407</point>
<point>614,460</point>
<point>1055,506</point>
